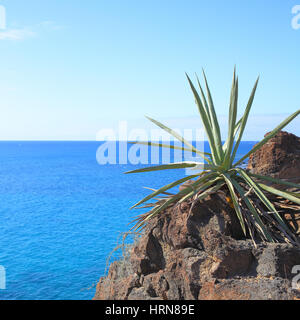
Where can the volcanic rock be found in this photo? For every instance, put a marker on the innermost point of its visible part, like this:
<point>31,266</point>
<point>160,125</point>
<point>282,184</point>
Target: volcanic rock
<point>199,253</point>
<point>279,158</point>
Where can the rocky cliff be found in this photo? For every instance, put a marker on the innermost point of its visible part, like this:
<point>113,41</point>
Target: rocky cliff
<point>200,253</point>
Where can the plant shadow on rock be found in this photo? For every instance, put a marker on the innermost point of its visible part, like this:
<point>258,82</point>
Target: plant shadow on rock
<point>192,254</point>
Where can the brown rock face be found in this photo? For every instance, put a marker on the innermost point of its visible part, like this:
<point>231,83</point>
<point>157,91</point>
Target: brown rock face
<point>200,254</point>
<point>279,158</point>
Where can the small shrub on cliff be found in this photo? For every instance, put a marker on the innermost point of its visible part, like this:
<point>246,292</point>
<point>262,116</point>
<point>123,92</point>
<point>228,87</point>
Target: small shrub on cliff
<point>248,194</point>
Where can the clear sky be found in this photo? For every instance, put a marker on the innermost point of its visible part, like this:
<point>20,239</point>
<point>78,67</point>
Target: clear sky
<point>70,67</point>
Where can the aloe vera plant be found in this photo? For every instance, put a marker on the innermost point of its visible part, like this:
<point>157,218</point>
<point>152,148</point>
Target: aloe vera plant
<point>248,192</point>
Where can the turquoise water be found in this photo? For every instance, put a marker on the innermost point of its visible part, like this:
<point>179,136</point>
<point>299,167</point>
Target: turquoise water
<point>61,214</point>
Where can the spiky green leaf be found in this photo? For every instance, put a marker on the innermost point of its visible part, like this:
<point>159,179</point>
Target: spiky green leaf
<point>244,121</point>
<point>172,185</point>
<point>231,123</point>
<point>264,199</point>
<point>274,180</point>
<point>214,120</point>
<point>206,124</point>
<point>170,166</point>
<point>179,137</point>
<point>162,145</point>
<point>200,188</point>
<point>235,201</point>
<point>252,209</point>
<point>286,195</point>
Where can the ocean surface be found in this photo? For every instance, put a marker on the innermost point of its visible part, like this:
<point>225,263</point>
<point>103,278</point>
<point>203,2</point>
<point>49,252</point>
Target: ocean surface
<point>61,214</point>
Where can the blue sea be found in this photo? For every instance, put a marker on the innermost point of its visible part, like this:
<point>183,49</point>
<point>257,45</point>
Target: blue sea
<point>61,214</point>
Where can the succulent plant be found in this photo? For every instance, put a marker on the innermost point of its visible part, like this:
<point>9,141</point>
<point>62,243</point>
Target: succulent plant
<point>248,192</point>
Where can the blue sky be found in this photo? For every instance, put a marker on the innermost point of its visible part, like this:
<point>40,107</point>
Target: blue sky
<point>72,67</point>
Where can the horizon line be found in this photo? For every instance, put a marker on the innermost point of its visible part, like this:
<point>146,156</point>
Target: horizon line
<point>155,141</point>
